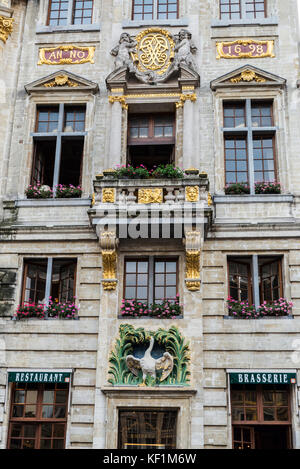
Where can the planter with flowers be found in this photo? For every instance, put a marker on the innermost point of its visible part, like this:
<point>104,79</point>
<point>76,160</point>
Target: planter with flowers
<point>237,188</point>
<point>67,310</point>
<point>28,310</point>
<point>167,309</point>
<point>55,310</point>
<point>38,191</point>
<point>66,192</point>
<point>167,171</point>
<point>242,309</point>
<point>271,187</point>
<point>130,172</point>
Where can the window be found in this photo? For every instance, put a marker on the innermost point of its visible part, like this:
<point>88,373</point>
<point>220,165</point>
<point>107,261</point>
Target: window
<point>249,142</point>
<point>151,279</point>
<point>255,277</point>
<point>64,12</point>
<point>58,145</point>
<point>154,9</point>
<point>261,416</point>
<point>242,9</point>
<point>38,416</point>
<point>151,139</point>
<point>48,277</point>
<point>146,429</point>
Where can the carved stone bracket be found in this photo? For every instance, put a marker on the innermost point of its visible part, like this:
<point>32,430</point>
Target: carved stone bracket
<point>192,260</point>
<point>6,28</point>
<point>108,243</point>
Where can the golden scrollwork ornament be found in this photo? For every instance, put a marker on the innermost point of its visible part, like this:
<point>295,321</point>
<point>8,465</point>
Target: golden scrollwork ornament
<point>154,50</point>
<point>150,196</point>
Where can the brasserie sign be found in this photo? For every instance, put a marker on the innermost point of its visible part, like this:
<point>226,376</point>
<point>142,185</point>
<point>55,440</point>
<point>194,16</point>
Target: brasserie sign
<point>263,378</point>
<point>38,377</point>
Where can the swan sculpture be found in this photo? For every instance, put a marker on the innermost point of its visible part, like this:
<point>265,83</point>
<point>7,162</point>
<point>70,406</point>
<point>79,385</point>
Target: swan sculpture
<point>150,365</point>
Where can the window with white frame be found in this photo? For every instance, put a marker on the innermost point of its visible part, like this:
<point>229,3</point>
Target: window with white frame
<point>242,9</point>
<point>154,9</point>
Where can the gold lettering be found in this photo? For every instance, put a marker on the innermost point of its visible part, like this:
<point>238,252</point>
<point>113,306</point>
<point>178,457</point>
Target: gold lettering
<point>80,54</point>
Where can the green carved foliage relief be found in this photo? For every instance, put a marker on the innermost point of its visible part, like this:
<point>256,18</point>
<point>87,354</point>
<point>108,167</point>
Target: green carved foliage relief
<point>171,341</point>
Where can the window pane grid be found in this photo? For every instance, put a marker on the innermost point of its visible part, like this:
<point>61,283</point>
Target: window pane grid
<point>136,280</point>
<point>230,9</point>
<point>83,12</point>
<point>263,159</point>
<point>236,160</point>
<point>167,9</point>
<point>58,12</point>
<point>255,8</point>
<point>142,10</point>
<point>74,120</point>
<point>259,403</point>
<point>27,431</point>
<point>47,119</point>
<point>234,115</point>
<point>165,280</point>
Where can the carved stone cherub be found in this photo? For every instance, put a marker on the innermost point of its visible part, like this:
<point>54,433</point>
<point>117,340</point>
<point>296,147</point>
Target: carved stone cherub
<point>184,49</point>
<point>123,51</point>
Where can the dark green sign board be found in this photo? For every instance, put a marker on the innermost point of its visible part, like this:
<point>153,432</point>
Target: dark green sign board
<point>38,377</point>
<point>262,378</point>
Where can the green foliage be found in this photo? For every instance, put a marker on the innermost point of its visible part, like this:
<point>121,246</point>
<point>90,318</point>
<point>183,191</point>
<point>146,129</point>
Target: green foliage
<point>176,346</point>
<point>171,339</point>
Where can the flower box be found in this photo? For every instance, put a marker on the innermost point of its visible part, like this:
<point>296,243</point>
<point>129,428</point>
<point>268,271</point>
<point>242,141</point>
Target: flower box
<point>242,309</point>
<point>167,309</point>
<point>54,310</point>
<point>66,192</point>
<point>39,191</point>
<point>141,172</point>
<point>271,187</point>
<point>237,189</point>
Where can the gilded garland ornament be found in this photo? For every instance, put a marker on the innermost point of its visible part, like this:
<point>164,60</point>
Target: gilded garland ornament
<point>248,75</point>
<point>61,80</point>
<point>132,361</point>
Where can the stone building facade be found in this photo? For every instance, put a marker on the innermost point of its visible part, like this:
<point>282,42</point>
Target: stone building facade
<point>211,87</point>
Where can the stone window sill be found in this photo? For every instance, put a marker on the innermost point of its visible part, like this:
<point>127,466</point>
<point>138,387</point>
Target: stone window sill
<point>272,21</point>
<point>148,23</point>
<point>53,202</point>
<point>71,28</point>
<point>290,316</point>
<point>24,320</point>
<point>149,317</point>
<point>258,198</point>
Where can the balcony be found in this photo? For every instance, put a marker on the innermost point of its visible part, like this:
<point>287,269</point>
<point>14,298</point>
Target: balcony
<point>159,207</point>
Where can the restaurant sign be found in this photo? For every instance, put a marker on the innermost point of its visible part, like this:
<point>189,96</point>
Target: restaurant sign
<point>263,378</point>
<point>38,377</point>
<point>67,54</point>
